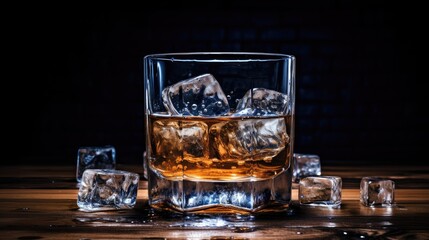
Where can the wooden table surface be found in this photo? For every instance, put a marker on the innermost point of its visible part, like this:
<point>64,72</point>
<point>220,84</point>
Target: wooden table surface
<point>39,202</point>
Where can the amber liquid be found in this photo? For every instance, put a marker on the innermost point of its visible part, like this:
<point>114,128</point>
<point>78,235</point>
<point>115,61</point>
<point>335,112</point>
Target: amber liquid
<point>220,149</point>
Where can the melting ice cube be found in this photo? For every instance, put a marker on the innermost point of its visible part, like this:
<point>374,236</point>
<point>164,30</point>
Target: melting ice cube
<point>198,96</point>
<point>305,165</point>
<point>251,139</point>
<point>177,139</point>
<point>262,102</point>
<point>95,157</point>
<point>376,191</point>
<point>320,191</point>
<point>107,189</point>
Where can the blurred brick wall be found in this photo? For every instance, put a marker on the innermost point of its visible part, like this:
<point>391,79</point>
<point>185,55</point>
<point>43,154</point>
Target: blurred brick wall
<point>356,74</point>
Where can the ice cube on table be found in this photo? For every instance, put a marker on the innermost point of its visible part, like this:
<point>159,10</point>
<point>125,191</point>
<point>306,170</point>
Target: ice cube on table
<point>262,102</point>
<point>320,191</point>
<point>305,165</point>
<point>107,189</point>
<point>377,192</point>
<point>95,158</point>
<point>197,96</point>
<point>249,139</point>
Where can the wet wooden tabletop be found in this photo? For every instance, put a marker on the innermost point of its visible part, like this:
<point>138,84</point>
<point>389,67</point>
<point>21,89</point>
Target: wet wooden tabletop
<point>39,202</point>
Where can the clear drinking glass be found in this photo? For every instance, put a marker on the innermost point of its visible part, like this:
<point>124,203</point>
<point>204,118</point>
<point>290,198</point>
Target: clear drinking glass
<point>219,131</point>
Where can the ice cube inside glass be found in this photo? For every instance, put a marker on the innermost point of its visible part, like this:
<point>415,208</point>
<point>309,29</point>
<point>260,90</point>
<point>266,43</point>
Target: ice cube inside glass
<point>305,165</point>
<point>95,158</point>
<point>322,191</point>
<point>377,192</point>
<point>219,131</point>
<point>107,189</point>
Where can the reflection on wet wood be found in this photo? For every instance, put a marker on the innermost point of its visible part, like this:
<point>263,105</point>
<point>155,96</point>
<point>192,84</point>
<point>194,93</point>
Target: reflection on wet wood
<point>41,204</point>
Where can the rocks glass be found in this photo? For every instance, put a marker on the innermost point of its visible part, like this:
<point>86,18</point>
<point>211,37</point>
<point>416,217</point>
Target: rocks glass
<point>219,131</point>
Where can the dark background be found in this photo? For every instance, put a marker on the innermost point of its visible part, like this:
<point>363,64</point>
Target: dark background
<point>78,76</point>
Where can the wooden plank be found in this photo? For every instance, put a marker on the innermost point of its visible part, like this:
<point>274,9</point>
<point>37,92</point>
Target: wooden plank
<point>37,208</point>
<point>54,218</point>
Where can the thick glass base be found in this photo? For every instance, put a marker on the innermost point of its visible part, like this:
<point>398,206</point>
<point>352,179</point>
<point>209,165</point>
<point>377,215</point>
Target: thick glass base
<point>223,197</point>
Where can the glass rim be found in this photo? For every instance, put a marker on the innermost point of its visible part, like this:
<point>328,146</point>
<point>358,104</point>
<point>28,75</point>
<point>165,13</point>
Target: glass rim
<point>221,56</point>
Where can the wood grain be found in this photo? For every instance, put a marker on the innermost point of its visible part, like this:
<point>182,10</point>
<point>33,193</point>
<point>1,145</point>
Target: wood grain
<point>40,203</point>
